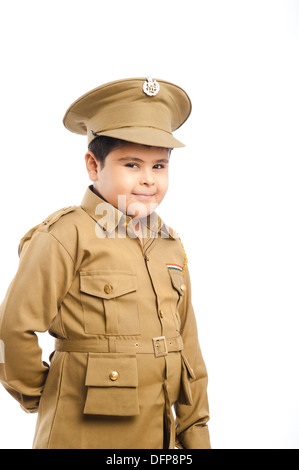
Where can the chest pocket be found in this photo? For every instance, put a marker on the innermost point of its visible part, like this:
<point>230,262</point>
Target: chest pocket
<point>109,301</point>
<point>177,294</point>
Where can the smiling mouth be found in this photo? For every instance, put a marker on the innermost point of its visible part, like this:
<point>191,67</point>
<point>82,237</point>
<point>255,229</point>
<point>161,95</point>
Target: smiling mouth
<point>143,195</point>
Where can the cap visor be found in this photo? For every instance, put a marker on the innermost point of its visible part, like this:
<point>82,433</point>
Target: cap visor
<point>144,136</point>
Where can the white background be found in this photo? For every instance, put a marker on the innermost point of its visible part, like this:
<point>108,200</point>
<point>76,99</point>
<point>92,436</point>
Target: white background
<point>233,196</point>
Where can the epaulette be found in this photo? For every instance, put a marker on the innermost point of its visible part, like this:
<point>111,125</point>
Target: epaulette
<point>46,223</point>
<point>57,215</point>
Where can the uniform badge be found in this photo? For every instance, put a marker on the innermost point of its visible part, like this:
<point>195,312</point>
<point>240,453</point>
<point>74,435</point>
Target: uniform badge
<point>151,87</point>
<point>176,267</point>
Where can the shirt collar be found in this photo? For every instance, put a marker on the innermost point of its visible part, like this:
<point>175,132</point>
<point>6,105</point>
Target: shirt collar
<point>108,217</point>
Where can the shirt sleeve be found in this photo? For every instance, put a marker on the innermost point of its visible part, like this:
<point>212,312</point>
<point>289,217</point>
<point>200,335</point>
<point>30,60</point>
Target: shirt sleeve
<point>32,301</point>
<point>192,431</point>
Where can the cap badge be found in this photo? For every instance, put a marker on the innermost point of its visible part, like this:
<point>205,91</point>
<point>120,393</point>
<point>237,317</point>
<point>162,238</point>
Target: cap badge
<point>151,87</point>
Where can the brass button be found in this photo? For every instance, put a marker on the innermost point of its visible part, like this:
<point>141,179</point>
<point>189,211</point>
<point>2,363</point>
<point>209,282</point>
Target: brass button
<point>113,375</point>
<point>146,258</point>
<point>183,287</point>
<point>161,313</point>
<point>107,288</point>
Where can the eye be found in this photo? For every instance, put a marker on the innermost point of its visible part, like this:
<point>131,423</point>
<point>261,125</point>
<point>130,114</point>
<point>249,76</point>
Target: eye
<point>131,165</point>
<point>159,166</point>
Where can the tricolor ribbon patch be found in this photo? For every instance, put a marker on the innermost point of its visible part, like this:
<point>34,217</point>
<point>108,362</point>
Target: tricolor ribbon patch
<point>177,267</point>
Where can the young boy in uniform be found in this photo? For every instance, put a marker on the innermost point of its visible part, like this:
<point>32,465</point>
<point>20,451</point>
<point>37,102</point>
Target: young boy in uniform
<point>109,280</point>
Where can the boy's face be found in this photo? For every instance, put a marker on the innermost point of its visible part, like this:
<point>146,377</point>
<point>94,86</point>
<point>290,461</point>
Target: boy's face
<point>134,178</point>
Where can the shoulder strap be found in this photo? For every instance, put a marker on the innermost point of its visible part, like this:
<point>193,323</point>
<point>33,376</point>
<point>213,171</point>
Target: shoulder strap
<point>46,223</point>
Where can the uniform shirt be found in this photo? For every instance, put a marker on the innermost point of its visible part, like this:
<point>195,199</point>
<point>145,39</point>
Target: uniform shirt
<point>126,343</point>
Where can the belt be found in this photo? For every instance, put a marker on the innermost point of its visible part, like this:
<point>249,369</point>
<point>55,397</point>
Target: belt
<point>159,346</point>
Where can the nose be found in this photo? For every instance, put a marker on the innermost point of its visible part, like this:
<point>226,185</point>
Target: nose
<point>147,178</point>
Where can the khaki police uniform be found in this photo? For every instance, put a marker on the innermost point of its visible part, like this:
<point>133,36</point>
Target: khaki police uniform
<point>126,341</point>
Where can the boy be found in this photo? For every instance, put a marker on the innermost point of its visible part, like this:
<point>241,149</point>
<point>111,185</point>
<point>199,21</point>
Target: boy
<point>109,280</point>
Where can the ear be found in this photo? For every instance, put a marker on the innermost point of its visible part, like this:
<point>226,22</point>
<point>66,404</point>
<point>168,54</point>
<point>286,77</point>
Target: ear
<point>92,165</point>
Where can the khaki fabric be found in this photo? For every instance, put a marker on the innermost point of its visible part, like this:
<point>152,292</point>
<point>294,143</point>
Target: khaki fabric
<point>104,297</point>
<point>125,109</point>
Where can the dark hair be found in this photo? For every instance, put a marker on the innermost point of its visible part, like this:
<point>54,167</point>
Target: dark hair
<point>102,145</point>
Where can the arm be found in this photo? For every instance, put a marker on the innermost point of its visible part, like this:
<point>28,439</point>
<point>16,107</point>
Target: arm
<point>31,303</point>
<point>192,430</point>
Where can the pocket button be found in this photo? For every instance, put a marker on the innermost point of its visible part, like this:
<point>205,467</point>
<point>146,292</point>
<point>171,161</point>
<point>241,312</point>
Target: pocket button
<point>107,289</point>
<point>113,375</point>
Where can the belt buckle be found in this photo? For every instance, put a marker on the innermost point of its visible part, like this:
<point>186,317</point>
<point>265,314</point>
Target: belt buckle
<point>157,343</point>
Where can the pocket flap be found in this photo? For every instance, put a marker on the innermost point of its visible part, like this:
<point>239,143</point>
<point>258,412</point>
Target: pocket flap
<point>111,370</point>
<point>188,367</point>
<point>107,285</point>
<point>185,397</point>
<point>176,280</point>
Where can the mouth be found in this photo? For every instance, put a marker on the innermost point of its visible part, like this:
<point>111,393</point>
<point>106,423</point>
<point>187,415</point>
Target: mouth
<point>144,196</point>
